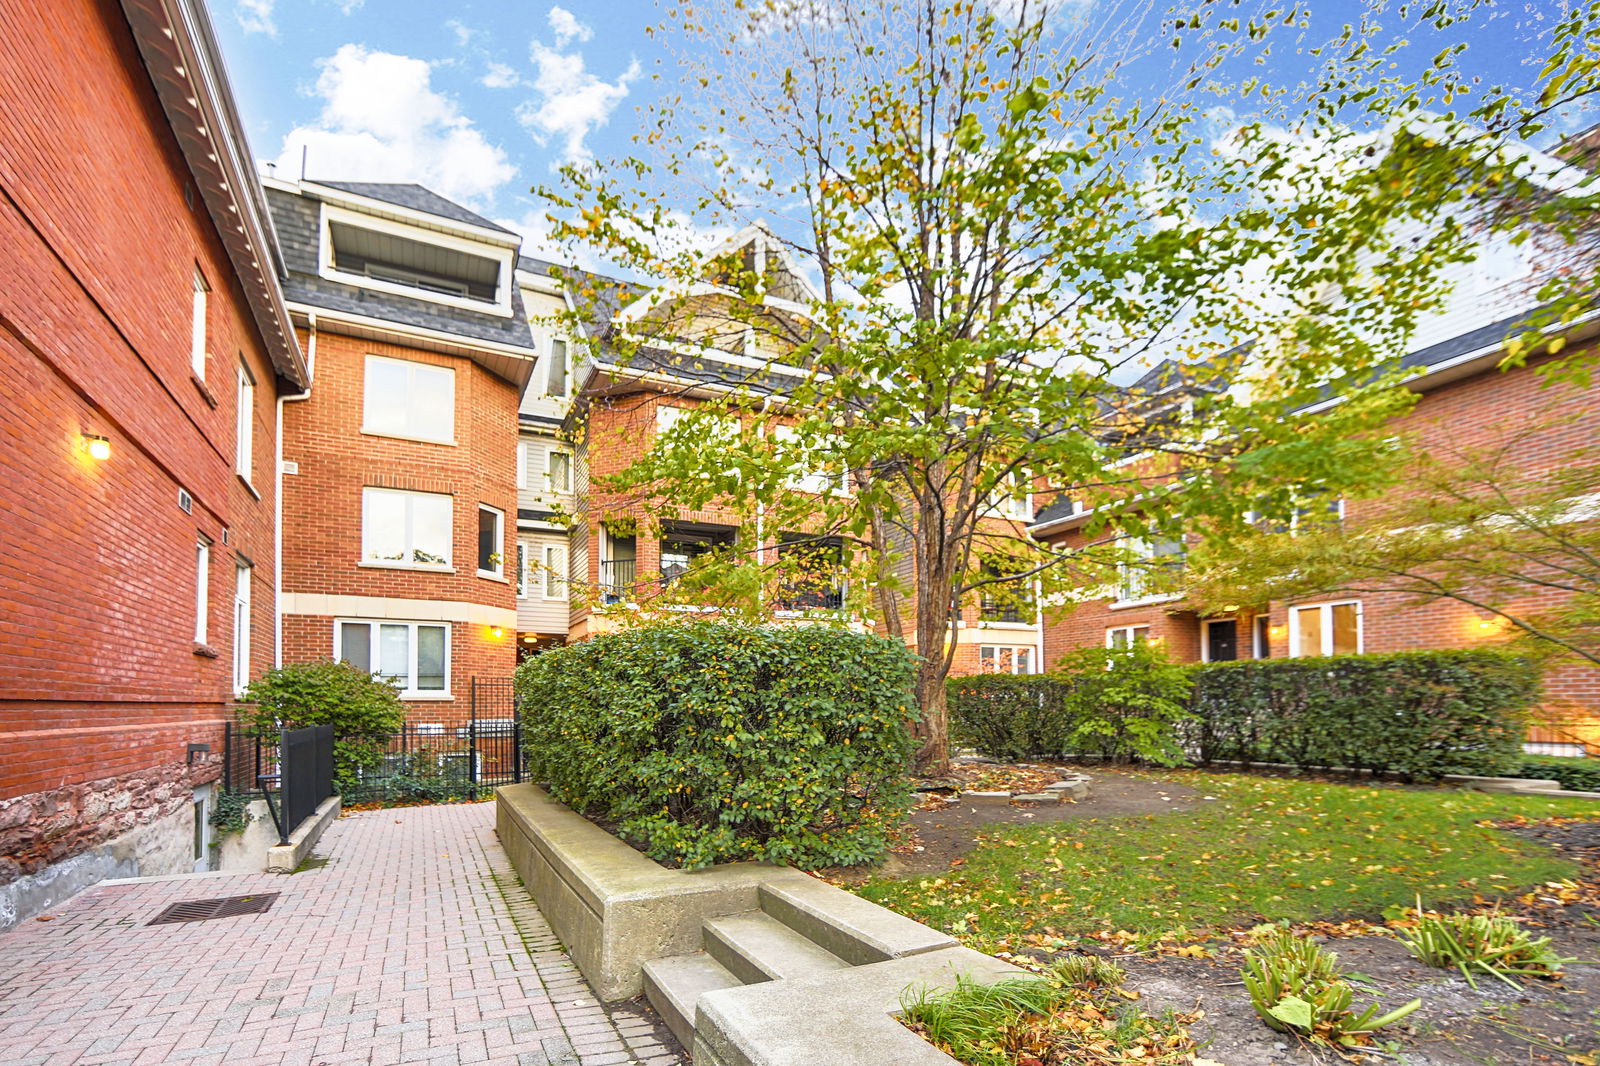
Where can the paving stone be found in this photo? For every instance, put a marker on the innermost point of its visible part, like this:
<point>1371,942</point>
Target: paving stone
<point>414,944</point>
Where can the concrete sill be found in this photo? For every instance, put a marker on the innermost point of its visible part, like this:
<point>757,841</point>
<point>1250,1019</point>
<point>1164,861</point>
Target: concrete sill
<point>203,389</point>
<point>206,651</point>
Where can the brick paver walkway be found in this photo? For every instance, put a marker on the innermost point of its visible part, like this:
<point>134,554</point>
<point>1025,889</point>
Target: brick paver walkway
<point>414,944</point>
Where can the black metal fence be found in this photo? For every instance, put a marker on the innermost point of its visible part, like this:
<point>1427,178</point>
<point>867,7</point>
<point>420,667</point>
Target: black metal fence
<point>422,762</point>
<point>306,764</point>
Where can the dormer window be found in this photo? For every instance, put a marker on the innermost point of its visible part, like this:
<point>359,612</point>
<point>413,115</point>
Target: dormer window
<point>387,257</point>
<point>405,260</point>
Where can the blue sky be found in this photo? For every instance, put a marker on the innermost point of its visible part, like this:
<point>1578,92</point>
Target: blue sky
<point>481,100</point>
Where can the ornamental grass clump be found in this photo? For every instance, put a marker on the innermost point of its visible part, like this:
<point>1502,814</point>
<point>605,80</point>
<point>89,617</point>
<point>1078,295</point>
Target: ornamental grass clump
<point>1482,944</point>
<point>1074,1014</point>
<point>1297,987</point>
<point>712,742</point>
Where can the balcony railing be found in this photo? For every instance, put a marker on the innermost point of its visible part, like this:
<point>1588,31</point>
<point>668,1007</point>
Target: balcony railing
<point>617,579</point>
<point>998,611</point>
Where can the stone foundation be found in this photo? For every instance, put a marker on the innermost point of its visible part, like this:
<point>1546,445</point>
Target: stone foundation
<point>54,844</point>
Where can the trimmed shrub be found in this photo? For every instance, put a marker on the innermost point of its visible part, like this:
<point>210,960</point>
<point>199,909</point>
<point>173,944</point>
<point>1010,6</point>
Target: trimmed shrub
<point>1009,716</point>
<point>363,709</point>
<point>1421,714</point>
<point>723,742</point>
<point>1117,704</point>
<point>1578,774</point>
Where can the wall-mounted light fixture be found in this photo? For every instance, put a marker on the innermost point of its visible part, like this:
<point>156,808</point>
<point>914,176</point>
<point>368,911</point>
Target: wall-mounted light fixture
<point>496,632</point>
<point>97,446</point>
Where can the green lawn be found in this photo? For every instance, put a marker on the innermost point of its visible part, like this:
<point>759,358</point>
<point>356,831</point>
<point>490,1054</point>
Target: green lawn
<point>1264,849</point>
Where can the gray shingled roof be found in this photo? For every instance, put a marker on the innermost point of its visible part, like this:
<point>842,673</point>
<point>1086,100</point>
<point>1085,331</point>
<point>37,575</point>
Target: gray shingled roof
<point>296,220</point>
<point>415,197</point>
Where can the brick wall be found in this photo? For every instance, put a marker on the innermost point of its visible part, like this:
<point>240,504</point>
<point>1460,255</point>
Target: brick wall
<point>102,681</point>
<point>1484,410</point>
<point>323,501</point>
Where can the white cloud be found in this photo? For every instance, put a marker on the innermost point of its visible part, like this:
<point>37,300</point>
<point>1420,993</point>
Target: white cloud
<point>567,28</point>
<point>571,101</point>
<point>255,16</point>
<point>463,32</point>
<point>500,76</point>
<point>382,121</point>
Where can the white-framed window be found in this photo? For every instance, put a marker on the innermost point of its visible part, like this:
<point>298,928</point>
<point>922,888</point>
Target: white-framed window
<point>401,528</point>
<point>522,463</point>
<point>558,470</point>
<point>808,478</point>
<point>1005,659</point>
<point>197,325</point>
<point>202,588</point>
<point>1010,497</point>
<point>522,571</point>
<point>1121,637</point>
<point>402,398</point>
<point>1261,637</point>
<point>241,625</point>
<point>556,378</point>
<point>491,540</point>
<point>555,569</point>
<point>1325,629</point>
<point>244,431</point>
<point>414,655</point>
<point>1138,580</point>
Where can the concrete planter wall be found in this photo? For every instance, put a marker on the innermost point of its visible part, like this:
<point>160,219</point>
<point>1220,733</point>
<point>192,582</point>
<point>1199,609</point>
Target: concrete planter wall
<point>749,964</point>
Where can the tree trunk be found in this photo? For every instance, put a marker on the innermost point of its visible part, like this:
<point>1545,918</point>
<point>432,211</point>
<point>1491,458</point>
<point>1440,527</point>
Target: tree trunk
<point>932,732</point>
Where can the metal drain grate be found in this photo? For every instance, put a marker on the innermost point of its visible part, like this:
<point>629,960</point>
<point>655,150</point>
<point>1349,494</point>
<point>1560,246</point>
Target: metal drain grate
<point>200,910</point>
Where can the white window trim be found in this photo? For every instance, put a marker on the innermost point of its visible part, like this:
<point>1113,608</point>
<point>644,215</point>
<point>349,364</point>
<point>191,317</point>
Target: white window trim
<point>549,482</point>
<point>198,333</point>
<point>553,560</point>
<point>446,567</point>
<point>1033,657</point>
<point>202,589</point>
<point>504,257</point>
<point>367,430</point>
<point>566,368</point>
<point>1326,609</point>
<point>500,541</point>
<point>1122,569</point>
<point>242,575</point>
<point>1005,505</point>
<point>245,425</point>
<point>522,569</point>
<point>1129,631</point>
<point>411,667</point>
<point>522,463</point>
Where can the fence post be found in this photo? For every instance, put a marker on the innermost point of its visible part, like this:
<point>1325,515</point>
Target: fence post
<point>472,745</point>
<point>516,749</point>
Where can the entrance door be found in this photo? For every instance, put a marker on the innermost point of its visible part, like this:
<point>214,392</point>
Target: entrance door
<point>202,829</point>
<point>1222,641</point>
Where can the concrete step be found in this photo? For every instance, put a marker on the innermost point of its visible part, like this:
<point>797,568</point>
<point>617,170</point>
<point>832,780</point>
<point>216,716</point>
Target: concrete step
<point>674,985</point>
<point>854,929</point>
<point>756,947</point>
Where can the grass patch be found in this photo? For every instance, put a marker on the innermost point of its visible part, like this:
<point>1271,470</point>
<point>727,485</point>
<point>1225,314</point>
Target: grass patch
<point>1265,849</point>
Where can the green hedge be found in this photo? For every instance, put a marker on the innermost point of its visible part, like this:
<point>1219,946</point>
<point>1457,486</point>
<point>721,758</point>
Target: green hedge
<point>715,742</point>
<point>1420,714</point>
<point>1578,774</point>
<point>1110,704</point>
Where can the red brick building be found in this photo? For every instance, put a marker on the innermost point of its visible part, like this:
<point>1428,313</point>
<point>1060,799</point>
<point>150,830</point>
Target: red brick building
<point>144,346</point>
<point>400,497</point>
<point>1464,402</point>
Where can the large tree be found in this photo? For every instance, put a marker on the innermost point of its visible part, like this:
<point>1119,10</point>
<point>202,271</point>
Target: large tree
<point>1000,237</point>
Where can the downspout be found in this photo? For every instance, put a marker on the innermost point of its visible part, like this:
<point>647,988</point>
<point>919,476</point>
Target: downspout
<point>277,516</point>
